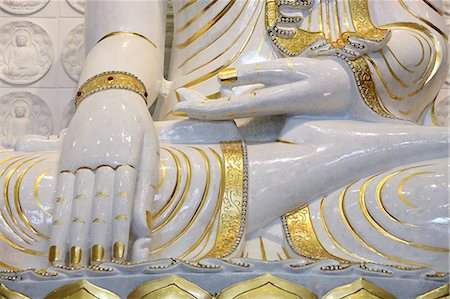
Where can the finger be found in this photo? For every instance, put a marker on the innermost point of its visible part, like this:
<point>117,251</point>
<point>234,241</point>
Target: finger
<point>81,217</point>
<point>190,95</point>
<point>100,232</point>
<point>267,73</point>
<point>147,181</point>
<point>237,106</point>
<point>61,215</point>
<point>124,187</point>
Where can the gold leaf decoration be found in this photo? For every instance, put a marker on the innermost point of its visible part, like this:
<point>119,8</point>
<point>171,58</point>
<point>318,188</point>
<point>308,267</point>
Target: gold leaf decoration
<point>6,293</point>
<point>173,287</point>
<point>360,288</point>
<point>267,286</point>
<point>81,289</point>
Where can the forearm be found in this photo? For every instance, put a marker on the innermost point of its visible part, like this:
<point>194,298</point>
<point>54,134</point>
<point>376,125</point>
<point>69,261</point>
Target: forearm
<point>126,36</point>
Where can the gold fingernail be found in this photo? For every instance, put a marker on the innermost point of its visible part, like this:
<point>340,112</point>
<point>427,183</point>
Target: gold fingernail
<point>53,254</point>
<point>119,250</point>
<point>228,76</point>
<point>148,218</point>
<point>97,253</point>
<point>75,255</point>
<point>179,114</point>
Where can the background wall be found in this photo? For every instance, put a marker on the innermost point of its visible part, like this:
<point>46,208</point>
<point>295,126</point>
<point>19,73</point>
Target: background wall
<point>40,75</point>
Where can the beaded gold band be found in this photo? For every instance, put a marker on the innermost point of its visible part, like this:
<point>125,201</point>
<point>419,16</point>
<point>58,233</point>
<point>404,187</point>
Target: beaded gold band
<point>111,80</point>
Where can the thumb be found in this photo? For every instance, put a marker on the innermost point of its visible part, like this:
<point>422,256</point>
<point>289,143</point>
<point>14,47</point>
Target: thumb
<point>147,181</point>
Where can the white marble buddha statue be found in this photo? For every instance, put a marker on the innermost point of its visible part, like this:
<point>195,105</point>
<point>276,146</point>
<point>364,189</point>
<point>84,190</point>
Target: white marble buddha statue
<point>346,173</point>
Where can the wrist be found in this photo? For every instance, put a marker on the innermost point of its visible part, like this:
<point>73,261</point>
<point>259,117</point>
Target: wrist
<point>111,80</point>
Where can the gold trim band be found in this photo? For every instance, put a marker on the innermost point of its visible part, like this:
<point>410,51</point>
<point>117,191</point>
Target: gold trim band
<point>302,237</point>
<point>111,80</point>
<point>233,210</point>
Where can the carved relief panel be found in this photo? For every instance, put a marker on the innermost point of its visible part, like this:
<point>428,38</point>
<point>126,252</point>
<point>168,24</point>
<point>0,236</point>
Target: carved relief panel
<point>41,56</point>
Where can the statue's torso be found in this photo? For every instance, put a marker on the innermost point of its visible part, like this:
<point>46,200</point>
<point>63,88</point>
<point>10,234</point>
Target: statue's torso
<point>211,36</point>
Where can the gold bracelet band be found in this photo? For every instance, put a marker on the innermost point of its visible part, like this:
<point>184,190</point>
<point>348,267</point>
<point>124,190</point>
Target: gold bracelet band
<point>111,80</point>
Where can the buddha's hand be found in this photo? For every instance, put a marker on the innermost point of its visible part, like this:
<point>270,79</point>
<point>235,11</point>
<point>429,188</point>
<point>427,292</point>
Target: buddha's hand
<point>108,172</point>
<point>299,86</point>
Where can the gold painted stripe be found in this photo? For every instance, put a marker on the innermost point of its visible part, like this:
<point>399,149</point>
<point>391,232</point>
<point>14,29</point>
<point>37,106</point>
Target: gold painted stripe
<point>261,44</point>
<point>196,17</point>
<point>122,217</point>
<point>441,13</point>
<point>122,194</point>
<point>420,116</point>
<point>214,96</point>
<point>101,194</point>
<point>286,142</point>
<point>309,21</point>
<point>379,195</point>
<point>99,220</point>
<point>423,51</point>
<point>6,196</point>
<point>444,36</point>
<point>433,114</point>
<point>37,199</point>
<point>78,220</point>
<point>176,188</point>
<point>279,257</point>
<point>200,206</point>
<point>3,237</point>
<point>402,3</point>
<point>9,267</point>
<point>321,25</point>
<point>346,21</point>
<point>288,256</point>
<point>20,248</point>
<point>328,14</point>
<point>330,235</point>
<point>187,5</point>
<point>163,169</point>
<point>425,99</point>
<point>213,41</point>
<point>382,230</point>
<point>394,75</point>
<point>22,215</point>
<point>263,249</point>
<point>208,231</point>
<point>362,241</point>
<point>119,33</point>
<point>97,168</point>
<point>202,202</point>
<point>8,226</point>
<point>398,60</point>
<point>206,27</point>
<point>431,61</point>
<point>226,50</point>
<point>180,204</point>
<point>401,193</point>
<point>229,62</point>
<point>231,214</point>
<point>383,81</point>
<point>338,21</point>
